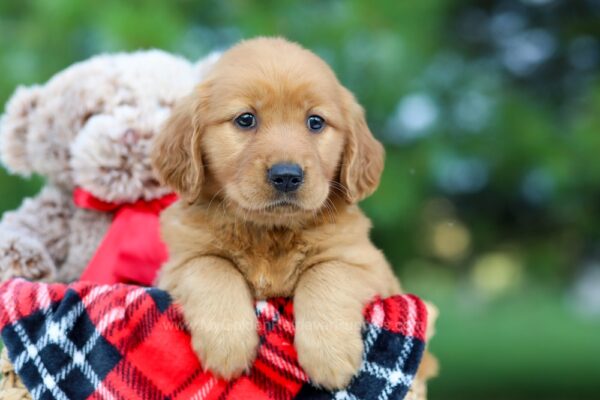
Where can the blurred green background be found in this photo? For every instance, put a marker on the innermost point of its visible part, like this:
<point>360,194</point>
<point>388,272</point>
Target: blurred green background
<point>490,112</point>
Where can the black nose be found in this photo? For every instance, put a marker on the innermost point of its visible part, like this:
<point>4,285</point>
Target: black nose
<point>286,177</point>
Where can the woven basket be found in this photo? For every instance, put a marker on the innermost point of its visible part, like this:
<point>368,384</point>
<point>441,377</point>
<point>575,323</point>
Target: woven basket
<point>11,387</point>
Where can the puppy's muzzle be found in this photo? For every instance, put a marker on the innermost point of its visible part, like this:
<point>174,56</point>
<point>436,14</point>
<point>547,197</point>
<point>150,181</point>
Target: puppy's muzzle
<point>285,178</point>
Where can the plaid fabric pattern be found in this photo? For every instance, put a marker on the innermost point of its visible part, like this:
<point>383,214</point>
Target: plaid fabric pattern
<point>90,341</point>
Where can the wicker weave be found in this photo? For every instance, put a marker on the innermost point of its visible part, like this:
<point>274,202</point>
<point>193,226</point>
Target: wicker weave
<point>11,387</point>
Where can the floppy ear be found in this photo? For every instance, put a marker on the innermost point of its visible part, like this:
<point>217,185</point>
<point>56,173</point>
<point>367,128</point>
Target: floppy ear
<point>14,127</point>
<point>176,154</point>
<point>362,161</point>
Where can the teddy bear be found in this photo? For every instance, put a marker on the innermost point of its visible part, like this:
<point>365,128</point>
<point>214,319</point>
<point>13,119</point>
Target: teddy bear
<point>88,129</point>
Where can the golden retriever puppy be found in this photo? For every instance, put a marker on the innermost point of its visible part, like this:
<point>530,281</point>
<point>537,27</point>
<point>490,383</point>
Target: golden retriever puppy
<point>270,155</point>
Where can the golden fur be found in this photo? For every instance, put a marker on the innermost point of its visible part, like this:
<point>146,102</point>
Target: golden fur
<point>231,239</point>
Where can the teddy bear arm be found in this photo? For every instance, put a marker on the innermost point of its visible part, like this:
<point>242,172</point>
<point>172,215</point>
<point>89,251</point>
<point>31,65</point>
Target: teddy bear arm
<point>34,237</point>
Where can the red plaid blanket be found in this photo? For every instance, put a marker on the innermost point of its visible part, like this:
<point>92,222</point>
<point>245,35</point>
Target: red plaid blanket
<point>90,341</point>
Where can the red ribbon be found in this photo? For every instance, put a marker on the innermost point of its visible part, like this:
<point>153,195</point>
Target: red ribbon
<point>132,250</point>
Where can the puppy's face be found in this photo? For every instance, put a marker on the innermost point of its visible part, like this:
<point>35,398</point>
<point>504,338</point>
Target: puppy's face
<point>273,133</point>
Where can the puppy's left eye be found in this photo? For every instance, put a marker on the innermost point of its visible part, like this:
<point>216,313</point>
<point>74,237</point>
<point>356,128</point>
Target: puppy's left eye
<point>315,123</point>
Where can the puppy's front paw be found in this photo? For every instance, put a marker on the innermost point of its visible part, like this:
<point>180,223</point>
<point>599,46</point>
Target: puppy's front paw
<point>226,348</point>
<point>330,357</point>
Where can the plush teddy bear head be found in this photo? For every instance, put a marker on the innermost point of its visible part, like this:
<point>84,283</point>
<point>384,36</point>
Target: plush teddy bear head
<point>91,125</point>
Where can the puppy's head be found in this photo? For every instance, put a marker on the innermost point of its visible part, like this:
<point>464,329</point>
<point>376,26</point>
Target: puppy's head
<point>271,132</point>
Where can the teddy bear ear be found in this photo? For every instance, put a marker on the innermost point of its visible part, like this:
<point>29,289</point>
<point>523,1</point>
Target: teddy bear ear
<point>203,66</point>
<point>15,127</point>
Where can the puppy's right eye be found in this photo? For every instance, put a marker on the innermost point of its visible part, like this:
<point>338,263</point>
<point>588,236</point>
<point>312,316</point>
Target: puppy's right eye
<point>246,121</point>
